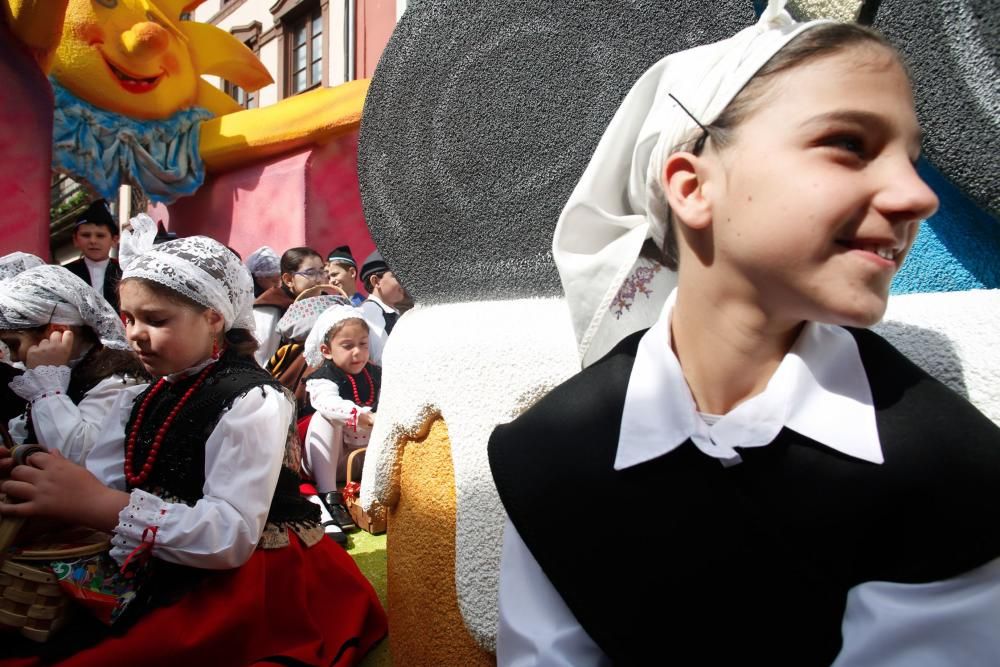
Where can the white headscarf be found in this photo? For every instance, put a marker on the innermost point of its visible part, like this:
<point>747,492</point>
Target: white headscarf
<point>615,206</point>
<point>264,262</point>
<point>50,294</point>
<point>197,267</point>
<point>17,262</point>
<point>330,317</point>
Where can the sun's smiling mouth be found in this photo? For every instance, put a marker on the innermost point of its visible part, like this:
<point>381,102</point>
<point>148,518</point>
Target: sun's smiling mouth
<point>131,82</point>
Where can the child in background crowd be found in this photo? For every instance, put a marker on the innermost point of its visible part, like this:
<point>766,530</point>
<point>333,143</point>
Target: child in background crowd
<point>344,391</point>
<point>95,234</point>
<point>812,497</point>
<point>301,269</point>
<point>78,363</point>
<point>343,272</point>
<point>12,405</point>
<point>265,267</point>
<point>385,293</point>
<point>240,572</point>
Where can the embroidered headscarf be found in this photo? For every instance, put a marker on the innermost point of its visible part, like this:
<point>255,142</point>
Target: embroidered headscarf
<point>329,319</point>
<point>264,262</point>
<point>197,267</point>
<point>301,316</point>
<point>617,204</point>
<point>18,262</point>
<point>50,294</point>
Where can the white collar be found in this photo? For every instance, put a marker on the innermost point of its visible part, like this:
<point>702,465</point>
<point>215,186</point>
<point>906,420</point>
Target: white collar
<point>188,372</point>
<point>381,304</point>
<point>819,390</point>
<point>91,264</point>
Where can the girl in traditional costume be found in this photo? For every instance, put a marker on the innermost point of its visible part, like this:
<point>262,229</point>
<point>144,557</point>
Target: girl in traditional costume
<point>343,391</point>
<point>791,490</point>
<point>77,361</point>
<point>198,479</point>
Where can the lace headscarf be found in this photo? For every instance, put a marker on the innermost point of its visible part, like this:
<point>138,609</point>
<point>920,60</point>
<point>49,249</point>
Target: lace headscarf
<point>617,204</point>
<point>18,262</point>
<point>196,267</point>
<point>301,316</point>
<point>50,294</point>
<point>264,262</point>
<point>329,319</point>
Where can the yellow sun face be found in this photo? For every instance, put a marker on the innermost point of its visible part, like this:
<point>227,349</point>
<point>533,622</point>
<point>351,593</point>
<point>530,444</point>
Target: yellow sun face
<point>137,58</point>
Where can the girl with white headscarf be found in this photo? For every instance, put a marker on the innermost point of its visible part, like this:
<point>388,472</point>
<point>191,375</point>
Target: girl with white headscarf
<point>72,344</point>
<point>781,489</point>
<point>201,471</point>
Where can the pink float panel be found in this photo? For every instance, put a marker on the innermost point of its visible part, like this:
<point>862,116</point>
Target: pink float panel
<point>25,150</point>
<point>306,198</point>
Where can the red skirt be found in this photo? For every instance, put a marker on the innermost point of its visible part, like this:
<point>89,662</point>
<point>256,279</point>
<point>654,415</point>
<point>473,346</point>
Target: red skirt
<point>289,606</point>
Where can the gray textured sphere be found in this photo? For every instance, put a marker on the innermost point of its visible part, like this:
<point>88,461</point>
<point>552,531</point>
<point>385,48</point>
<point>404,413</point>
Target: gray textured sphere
<point>481,118</point>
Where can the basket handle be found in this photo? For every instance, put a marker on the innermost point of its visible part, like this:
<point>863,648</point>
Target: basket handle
<point>350,462</point>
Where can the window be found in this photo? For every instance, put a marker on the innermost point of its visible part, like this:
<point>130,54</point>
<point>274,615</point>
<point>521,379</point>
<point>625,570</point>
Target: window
<point>242,97</point>
<point>304,69</point>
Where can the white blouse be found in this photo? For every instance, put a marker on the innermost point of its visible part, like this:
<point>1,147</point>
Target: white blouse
<point>821,391</point>
<point>324,395</point>
<point>375,310</point>
<point>243,456</point>
<point>265,320</point>
<point>61,424</point>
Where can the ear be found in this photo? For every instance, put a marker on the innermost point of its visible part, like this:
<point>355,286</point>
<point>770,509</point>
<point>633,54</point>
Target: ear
<point>215,320</point>
<point>324,349</point>
<point>683,184</point>
<point>287,279</point>
<point>353,271</point>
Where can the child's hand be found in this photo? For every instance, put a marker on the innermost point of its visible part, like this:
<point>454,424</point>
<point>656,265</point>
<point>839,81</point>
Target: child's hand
<point>56,350</point>
<point>53,487</point>
<point>366,420</point>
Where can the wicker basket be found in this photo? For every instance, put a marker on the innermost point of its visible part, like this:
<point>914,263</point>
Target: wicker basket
<point>31,599</point>
<point>373,521</point>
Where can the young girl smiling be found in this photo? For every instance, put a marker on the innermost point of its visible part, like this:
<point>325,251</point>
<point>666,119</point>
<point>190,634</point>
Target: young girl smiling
<point>200,472</point>
<point>804,493</point>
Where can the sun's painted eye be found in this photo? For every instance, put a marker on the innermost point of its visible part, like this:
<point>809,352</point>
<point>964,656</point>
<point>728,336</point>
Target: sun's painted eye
<point>110,4</point>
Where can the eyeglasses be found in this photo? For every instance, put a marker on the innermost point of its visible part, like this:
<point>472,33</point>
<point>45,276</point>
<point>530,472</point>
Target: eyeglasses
<point>312,273</point>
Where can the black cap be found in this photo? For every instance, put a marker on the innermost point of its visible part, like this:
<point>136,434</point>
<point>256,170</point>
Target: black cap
<point>342,255</point>
<point>98,214</point>
<point>373,264</point>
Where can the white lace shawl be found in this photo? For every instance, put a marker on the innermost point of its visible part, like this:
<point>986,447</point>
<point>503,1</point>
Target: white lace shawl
<point>18,262</point>
<point>50,294</point>
<point>197,267</point>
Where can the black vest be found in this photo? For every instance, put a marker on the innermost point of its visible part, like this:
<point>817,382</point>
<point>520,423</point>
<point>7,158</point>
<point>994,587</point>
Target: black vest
<point>749,564</point>
<point>179,471</point>
<point>328,371</point>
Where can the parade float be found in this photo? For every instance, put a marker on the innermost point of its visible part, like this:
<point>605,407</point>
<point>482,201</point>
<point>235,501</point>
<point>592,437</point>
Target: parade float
<point>479,122</point>
<point>128,106</point>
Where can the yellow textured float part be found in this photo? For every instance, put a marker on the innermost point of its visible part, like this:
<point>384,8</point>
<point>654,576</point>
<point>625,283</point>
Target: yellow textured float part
<point>37,23</point>
<point>838,10</point>
<point>308,119</point>
<point>425,625</point>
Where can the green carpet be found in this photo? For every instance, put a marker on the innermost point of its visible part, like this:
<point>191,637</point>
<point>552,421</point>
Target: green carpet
<point>368,552</point>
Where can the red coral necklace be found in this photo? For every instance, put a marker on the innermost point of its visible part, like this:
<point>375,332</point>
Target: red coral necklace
<point>354,388</point>
<point>135,479</point>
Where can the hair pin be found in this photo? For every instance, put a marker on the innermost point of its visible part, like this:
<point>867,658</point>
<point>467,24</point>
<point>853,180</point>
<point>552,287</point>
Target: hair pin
<point>699,144</point>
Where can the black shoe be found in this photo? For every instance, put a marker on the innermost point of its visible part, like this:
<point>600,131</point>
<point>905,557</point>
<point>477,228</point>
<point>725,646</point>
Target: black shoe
<point>337,511</point>
<point>334,532</point>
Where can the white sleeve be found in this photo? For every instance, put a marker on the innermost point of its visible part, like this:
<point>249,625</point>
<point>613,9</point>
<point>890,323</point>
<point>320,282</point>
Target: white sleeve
<point>61,424</point>
<point>536,627</point>
<point>243,456</point>
<point>265,320</point>
<point>325,397</point>
<point>940,624</point>
<point>377,335</point>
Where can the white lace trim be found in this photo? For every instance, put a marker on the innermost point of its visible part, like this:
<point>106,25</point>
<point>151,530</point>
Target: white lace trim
<point>143,511</point>
<point>41,382</point>
<point>188,372</point>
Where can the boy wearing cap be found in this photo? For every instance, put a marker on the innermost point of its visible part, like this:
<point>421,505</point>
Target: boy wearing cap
<point>381,309</point>
<point>343,272</point>
<point>94,235</point>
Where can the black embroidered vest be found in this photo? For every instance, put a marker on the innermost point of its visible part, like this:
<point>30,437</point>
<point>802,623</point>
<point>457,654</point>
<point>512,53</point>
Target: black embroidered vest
<point>328,371</point>
<point>179,471</point>
<point>749,564</point>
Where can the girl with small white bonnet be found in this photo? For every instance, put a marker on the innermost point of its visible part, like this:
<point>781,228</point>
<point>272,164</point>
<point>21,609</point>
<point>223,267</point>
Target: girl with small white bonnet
<point>72,345</point>
<point>780,486</point>
<point>343,391</point>
<point>201,470</point>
